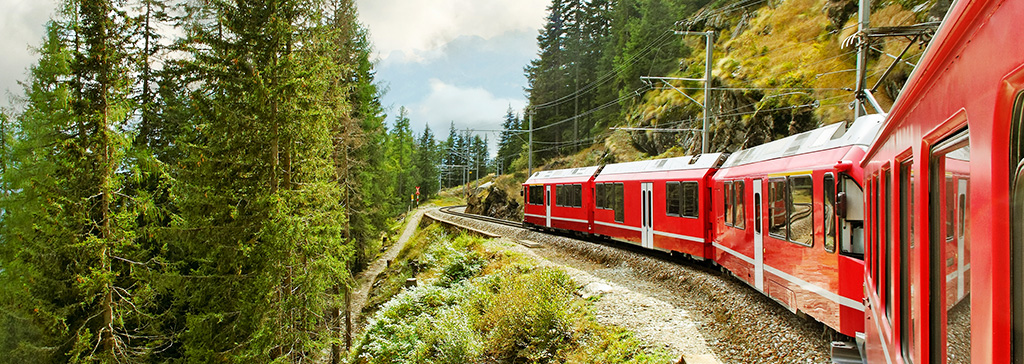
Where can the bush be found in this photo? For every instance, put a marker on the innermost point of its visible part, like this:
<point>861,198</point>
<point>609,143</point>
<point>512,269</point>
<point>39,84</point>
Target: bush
<point>489,305</point>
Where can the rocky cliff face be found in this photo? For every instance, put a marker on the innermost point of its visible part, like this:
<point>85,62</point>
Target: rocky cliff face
<point>780,68</point>
<point>495,202</point>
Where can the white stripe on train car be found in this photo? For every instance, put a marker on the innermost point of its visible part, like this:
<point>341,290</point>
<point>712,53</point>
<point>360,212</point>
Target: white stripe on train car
<point>734,253</point>
<point>570,220</point>
<point>558,218</point>
<point>834,297</point>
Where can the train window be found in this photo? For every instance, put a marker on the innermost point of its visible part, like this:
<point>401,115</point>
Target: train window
<point>875,228</point>
<point>691,200</point>
<point>757,212</point>
<point>536,195</point>
<point>601,193</point>
<point>777,214</point>
<point>801,216</point>
<point>950,219</point>
<point>949,271</point>
<point>673,198</point>
<point>569,195</point>
<point>829,197</point>
<point>850,234</point>
<point>738,209</point>
<point>727,197</point>
<point>1017,227</point>
<point>908,301</point>
<point>618,199</point>
<point>889,249</point>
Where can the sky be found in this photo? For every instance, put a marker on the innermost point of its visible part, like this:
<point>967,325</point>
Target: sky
<point>446,61</point>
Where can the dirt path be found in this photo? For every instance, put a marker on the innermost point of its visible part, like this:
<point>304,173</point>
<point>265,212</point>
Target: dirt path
<point>367,277</point>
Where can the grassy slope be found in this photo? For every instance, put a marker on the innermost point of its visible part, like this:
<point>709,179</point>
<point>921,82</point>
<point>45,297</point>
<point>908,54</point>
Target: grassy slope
<point>478,302</point>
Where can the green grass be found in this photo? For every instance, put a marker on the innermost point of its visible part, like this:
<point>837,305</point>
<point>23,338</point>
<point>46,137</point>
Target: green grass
<point>480,303</point>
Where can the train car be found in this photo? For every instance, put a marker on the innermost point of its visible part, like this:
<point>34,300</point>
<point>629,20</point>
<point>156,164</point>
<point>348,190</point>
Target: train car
<point>658,204</point>
<point>560,199</point>
<point>788,220</point>
<point>939,289</point>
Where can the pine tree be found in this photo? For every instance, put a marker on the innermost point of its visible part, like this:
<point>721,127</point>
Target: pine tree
<point>547,80</point>
<point>261,245</point>
<point>400,152</point>
<point>66,220</point>
<point>511,140</point>
<point>426,163</point>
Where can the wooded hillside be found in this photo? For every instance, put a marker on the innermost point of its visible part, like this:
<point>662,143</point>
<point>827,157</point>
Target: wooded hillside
<point>778,68</point>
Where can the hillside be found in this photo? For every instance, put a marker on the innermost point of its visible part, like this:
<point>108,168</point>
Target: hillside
<point>779,68</point>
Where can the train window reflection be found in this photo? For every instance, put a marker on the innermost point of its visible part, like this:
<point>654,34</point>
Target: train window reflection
<point>691,200</point>
<point>829,196</point>
<point>1017,227</point>
<point>618,205</point>
<point>738,209</point>
<point>536,195</point>
<point>890,288</point>
<point>801,221</point>
<point>727,198</point>
<point>950,231</point>
<point>777,214</point>
<point>672,198</point>
<point>908,298</point>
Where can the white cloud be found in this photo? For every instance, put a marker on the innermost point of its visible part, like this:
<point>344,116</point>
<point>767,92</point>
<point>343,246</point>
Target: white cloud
<point>23,24</point>
<point>468,107</point>
<point>416,27</point>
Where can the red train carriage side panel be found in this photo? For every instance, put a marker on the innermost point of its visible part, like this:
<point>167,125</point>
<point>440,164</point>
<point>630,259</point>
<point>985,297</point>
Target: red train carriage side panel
<point>560,199</point>
<point>944,276</point>
<point>658,204</point>
<point>787,221</point>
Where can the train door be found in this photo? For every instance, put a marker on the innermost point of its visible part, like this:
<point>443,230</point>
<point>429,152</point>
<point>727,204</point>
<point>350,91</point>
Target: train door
<point>758,237</point>
<point>949,312</point>
<point>547,206</point>
<point>647,215</point>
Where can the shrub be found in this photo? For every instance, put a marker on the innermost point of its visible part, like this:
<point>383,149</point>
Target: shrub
<point>531,317</point>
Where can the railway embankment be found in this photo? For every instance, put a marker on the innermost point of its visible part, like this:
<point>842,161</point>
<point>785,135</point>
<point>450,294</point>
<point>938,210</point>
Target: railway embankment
<point>680,305</point>
<point>476,299</point>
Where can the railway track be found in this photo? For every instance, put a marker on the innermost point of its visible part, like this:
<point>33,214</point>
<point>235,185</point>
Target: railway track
<point>450,210</point>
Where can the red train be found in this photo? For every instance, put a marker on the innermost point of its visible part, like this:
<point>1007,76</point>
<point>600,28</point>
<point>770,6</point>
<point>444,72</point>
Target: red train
<point>768,214</point>
<point>945,261</point>
<point>907,232</point>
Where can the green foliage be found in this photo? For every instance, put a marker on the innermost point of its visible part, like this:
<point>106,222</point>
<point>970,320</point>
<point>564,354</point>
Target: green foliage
<point>531,317</point>
<point>72,272</point>
<point>211,208</point>
<point>484,304</point>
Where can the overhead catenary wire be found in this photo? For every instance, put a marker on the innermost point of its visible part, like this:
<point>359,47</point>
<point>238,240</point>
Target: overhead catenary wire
<point>727,113</point>
<point>608,75</point>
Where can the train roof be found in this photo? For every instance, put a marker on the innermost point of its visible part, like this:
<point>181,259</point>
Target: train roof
<point>700,161</point>
<point>582,174</point>
<point>862,133</point>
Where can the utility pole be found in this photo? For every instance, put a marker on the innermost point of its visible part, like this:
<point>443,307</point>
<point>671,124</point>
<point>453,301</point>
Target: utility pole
<point>708,58</point>
<point>465,170</point>
<point>864,96</point>
<point>863,21</point>
<point>529,157</point>
<point>707,90</point>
